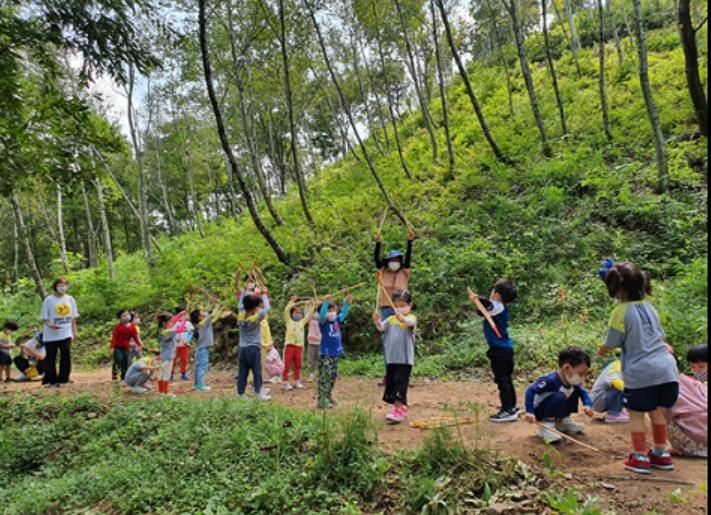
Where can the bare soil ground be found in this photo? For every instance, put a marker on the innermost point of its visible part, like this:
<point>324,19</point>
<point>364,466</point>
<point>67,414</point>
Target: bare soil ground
<point>599,474</point>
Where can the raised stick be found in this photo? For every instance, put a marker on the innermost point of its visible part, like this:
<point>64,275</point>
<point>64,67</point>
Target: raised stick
<point>568,437</point>
<point>378,276</point>
<point>346,289</point>
<point>382,219</point>
<point>483,311</point>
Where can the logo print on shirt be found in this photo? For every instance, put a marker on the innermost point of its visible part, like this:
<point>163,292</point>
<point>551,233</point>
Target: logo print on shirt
<point>334,329</point>
<point>644,317</point>
<point>62,309</point>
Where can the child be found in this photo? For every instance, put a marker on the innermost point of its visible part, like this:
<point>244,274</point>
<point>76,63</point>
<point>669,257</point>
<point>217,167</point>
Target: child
<point>140,372</point>
<point>136,349</point>
<point>500,353</point>
<point>552,399</point>
<point>202,322</point>
<point>399,344</point>
<point>330,349</point>
<point>182,343</point>
<point>698,358</point>
<point>6,346</point>
<point>249,320</point>
<point>295,320</point>
<point>606,393</point>
<point>650,372</point>
<point>274,365</point>
<point>166,341</point>
<point>122,335</point>
<point>687,419</point>
<point>30,361</point>
<point>313,336</point>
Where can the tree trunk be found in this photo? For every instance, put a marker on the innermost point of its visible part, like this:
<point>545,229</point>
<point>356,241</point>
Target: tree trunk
<point>366,156</point>
<point>15,247</point>
<point>615,35</point>
<point>193,203</point>
<point>652,112</point>
<point>571,22</point>
<point>426,118</point>
<point>468,86</point>
<point>362,90</point>
<point>91,235</point>
<point>691,64</point>
<point>441,86</point>
<point>22,232</point>
<point>512,8</point>
<point>226,147</point>
<point>573,49</point>
<point>108,249</point>
<point>388,95</point>
<point>298,172</point>
<point>61,239</point>
<point>165,198</point>
<point>142,189</point>
<point>601,83</point>
<point>378,102</point>
<point>496,48</point>
<point>551,66</point>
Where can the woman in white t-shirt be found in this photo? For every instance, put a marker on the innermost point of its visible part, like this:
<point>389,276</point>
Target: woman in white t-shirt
<point>59,327</point>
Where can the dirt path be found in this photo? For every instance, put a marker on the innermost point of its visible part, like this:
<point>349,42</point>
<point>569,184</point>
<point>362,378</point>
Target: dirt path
<point>597,474</point>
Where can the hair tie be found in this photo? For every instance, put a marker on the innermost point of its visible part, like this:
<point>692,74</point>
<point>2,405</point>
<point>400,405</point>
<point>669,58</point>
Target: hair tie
<point>605,267</point>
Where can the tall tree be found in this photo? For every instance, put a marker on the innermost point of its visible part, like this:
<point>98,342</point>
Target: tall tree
<point>468,85</point>
<point>571,45</point>
<point>601,80</point>
<point>106,229</point>
<point>226,147</point>
<point>29,255</point>
<point>691,65</point>
<point>61,239</point>
<point>551,66</point>
<point>441,87</point>
<point>652,112</point>
<point>91,235</point>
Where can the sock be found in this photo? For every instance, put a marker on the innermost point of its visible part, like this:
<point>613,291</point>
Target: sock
<point>659,436</point>
<point>639,442</point>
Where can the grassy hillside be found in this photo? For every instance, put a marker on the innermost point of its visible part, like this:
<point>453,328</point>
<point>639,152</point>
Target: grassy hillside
<point>547,223</point>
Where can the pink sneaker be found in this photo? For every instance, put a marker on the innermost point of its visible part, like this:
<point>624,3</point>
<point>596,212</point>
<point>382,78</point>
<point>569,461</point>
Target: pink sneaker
<point>404,411</point>
<point>392,414</point>
<point>617,418</point>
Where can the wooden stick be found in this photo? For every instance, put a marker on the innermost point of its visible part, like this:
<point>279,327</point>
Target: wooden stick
<point>382,219</point>
<point>567,437</point>
<point>483,311</point>
<point>319,299</point>
<point>653,479</point>
<point>379,276</point>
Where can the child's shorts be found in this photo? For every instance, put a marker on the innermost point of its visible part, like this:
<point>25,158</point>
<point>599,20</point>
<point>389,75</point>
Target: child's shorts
<point>651,397</point>
<point>5,360</point>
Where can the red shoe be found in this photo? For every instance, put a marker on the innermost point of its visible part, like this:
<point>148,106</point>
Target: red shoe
<point>637,462</point>
<point>661,461</point>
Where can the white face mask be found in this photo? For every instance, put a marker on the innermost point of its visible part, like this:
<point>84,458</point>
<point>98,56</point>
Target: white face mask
<point>574,380</point>
<point>62,288</point>
<point>250,286</point>
<point>125,320</point>
<point>331,316</point>
<point>403,311</point>
<point>394,265</point>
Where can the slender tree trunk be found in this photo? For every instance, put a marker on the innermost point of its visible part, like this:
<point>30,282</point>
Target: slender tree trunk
<point>62,241</point>
<point>441,86</point>
<point>142,189</point>
<point>165,197</point>
<point>573,49</point>
<point>366,156</point>
<point>342,131</point>
<point>691,65</point>
<point>193,204</point>
<point>601,82</point>
<point>551,66</point>
<point>389,99</point>
<point>497,48</point>
<point>512,8</point>
<point>427,119</point>
<point>468,85</point>
<point>362,90</point>
<point>615,35</point>
<point>91,235</point>
<point>15,247</point>
<point>298,172</point>
<point>378,101</point>
<point>226,147</point>
<point>652,112</point>
<point>571,22</point>
<point>29,256</point>
<point>108,249</point>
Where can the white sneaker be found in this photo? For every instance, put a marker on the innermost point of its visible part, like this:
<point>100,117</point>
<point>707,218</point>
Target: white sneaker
<point>286,386</point>
<point>311,378</point>
<point>567,425</point>
<point>298,385</point>
<point>138,389</point>
<point>263,396</point>
<point>275,379</point>
<point>546,434</point>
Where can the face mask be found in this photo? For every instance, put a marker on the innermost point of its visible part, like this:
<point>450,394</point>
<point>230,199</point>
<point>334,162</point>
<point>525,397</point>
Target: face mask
<point>125,320</point>
<point>701,376</point>
<point>250,286</point>
<point>574,380</point>
<point>394,266</point>
<point>61,288</point>
<point>296,318</point>
<point>403,311</point>
<point>331,316</point>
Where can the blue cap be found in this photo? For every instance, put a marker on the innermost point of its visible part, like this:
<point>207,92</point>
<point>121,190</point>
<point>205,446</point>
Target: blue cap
<point>393,254</point>
<point>605,267</point>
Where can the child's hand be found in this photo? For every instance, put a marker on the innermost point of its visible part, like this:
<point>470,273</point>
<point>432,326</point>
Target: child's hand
<point>400,317</point>
<point>293,298</point>
<point>376,317</point>
<point>410,235</point>
<point>328,298</point>
<point>602,350</point>
<point>530,417</point>
<point>588,411</point>
<point>378,237</point>
<point>349,298</point>
<point>473,297</point>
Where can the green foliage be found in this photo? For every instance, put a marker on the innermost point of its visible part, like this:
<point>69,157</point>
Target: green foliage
<point>567,503</point>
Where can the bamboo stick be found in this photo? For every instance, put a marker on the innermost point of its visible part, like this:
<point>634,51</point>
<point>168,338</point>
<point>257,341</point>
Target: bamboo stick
<point>567,437</point>
<point>483,311</point>
<point>382,219</point>
<point>379,276</point>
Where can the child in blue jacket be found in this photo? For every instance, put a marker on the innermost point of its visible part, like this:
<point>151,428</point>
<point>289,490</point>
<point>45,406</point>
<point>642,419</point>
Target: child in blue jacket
<point>331,349</point>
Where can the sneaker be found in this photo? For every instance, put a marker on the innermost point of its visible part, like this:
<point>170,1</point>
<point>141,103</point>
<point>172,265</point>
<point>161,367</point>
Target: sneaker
<point>617,418</point>
<point>311,378</point>
<point>566,425</point>
<point>242,397</point>
<point>286,386</point>
<point>395,415</point>
<point>546,434</point>
<point>404,411</point>
<point>637,462</point>
<point>263,396</point>
<point>298,385</point>
<point>332,401</point>
<point>508,415</point>
<point>661,460</point>
<point>203,388</point>
<point>184,376</point>
<point>323,405</point>
<point>139,389</point>
<point>22,378</point>
<point>275,379</point>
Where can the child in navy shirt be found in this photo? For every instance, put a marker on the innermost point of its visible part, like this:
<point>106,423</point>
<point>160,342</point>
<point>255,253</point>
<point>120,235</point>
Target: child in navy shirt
<point>552,398</point>
<point>331,348</point>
